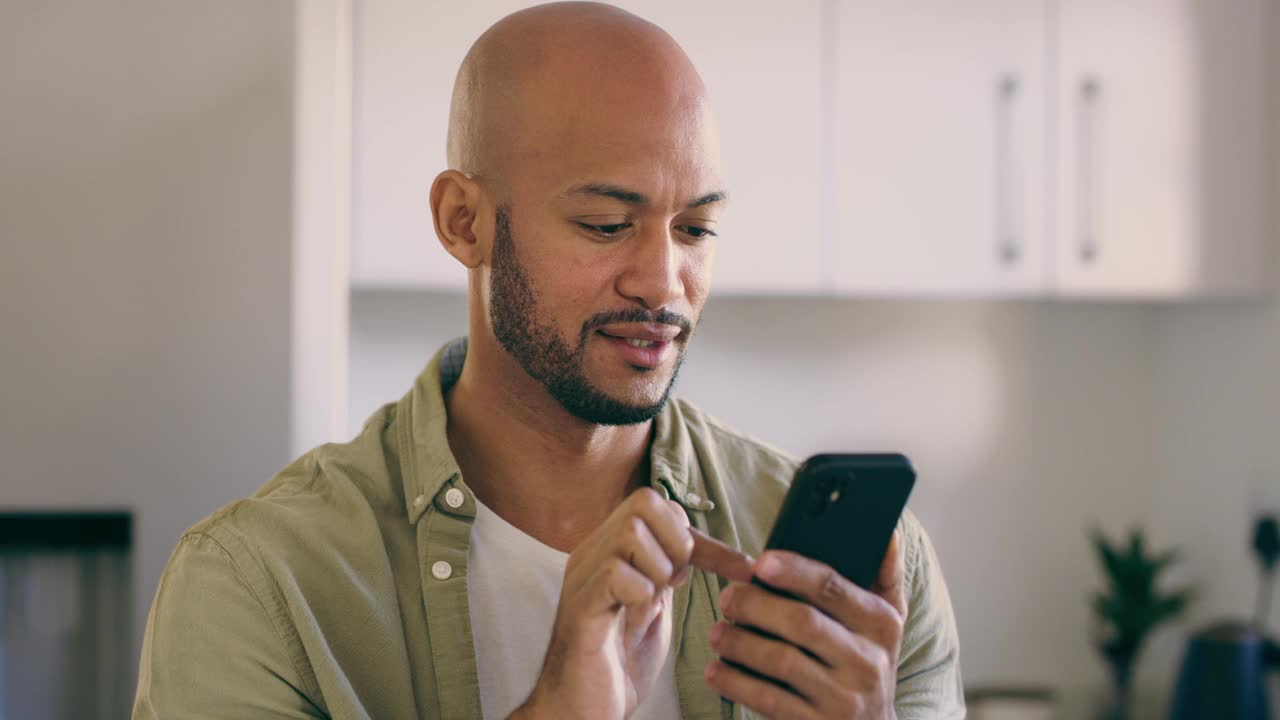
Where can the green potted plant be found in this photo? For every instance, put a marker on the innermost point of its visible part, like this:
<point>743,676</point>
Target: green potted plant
<point>1130,608</point>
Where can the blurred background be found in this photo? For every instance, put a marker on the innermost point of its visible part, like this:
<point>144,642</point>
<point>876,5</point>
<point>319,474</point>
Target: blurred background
<point>1030,243</point>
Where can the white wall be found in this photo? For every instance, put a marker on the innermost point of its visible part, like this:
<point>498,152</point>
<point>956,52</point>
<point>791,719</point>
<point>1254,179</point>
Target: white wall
<point>1028,422</point>
<point>145,192</point>
<point>1218,419</point>
<point>1217,390</point>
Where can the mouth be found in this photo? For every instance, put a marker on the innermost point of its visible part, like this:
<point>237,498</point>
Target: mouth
<point>643,348</point>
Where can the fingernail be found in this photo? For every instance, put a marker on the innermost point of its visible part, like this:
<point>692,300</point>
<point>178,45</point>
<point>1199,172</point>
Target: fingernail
<point>711,670</point>
<point>725,596</point>
<point>717,631</point>
<point>768,567</point>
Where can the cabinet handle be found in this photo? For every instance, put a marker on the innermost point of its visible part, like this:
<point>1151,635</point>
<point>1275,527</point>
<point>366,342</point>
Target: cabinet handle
<point>1008,247</point>
<point>1089,173</point>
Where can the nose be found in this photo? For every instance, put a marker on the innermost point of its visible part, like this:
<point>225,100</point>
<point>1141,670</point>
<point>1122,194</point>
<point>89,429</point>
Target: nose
<point>652,276</point>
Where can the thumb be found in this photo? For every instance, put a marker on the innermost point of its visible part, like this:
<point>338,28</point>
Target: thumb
<point>889,582</point>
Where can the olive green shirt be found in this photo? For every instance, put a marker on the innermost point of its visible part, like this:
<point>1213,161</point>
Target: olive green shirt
<point>339,589</point>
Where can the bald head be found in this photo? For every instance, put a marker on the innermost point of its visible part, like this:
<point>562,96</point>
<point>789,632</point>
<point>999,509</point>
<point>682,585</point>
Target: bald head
<point>562,74</point>
<point>584,191</point>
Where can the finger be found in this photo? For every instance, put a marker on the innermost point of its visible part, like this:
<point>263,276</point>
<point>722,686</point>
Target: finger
<point>862,611</point>
<point>714,556</point>
<point>889,581</point>
<point>667,522</point>
<point>778,660</point>
<point>681,576</point>
<point>640,549</point>
<point>794,621</point>
<point>762,696</point>
<point>618,584</point>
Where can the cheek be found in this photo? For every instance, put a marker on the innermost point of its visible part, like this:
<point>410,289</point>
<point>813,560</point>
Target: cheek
<point>580,276</point>
<point>568,284</point>
<point>696,274</point>
<point>560,266</point>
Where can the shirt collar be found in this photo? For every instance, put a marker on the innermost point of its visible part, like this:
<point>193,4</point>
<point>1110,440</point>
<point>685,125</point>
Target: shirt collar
<point>429,466</point>
<point>427,461</point>
<point>674,466</point>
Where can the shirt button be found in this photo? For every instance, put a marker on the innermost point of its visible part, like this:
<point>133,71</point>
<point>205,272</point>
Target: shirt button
<point>420,501</point>
<point>454,498</point>
<point>693,499</point>
<point>441,570</point>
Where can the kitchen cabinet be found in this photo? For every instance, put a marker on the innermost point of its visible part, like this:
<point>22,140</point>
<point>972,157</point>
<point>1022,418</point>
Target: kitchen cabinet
<point>916,148</point>
<point>940,147</point>
<point>1160,147</point>
<point>405,56</point>
<point>763,68</point>
<point>764,76</point>
<point>1080,148</point>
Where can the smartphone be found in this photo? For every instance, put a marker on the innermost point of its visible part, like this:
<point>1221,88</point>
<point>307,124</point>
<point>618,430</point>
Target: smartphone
<point>841,510</point>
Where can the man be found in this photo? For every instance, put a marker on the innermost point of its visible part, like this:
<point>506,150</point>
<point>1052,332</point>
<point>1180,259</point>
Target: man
<point>534,530</point>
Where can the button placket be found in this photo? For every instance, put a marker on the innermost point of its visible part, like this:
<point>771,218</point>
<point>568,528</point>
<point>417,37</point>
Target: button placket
<point>443,540</point>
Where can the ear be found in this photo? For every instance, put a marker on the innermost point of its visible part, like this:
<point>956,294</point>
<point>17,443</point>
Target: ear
<point>455,206</point>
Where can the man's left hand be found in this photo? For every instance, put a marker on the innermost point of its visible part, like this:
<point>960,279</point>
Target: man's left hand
<point>836,649</point>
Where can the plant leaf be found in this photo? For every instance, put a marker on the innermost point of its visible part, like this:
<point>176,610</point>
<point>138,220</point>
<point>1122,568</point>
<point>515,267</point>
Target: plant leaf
<point>1134,604</point>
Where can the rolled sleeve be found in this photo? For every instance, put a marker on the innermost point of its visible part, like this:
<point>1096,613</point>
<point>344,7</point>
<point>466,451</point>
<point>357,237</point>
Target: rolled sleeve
<point>929,682</point>
<point>211,648</point>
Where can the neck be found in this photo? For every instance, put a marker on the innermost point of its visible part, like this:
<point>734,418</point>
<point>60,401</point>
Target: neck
<point>549,473</point>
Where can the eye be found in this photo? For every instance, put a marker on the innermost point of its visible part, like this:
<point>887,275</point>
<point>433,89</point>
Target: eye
<point>605,230</point>
<point>698,233</point>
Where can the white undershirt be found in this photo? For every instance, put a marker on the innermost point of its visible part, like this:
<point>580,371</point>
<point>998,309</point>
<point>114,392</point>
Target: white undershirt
<point>514,586</point>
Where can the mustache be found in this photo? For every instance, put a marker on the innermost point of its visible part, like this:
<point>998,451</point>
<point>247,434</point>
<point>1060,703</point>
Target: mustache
<point>665,317</point>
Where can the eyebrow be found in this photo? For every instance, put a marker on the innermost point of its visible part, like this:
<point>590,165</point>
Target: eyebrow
<point>631,197</point>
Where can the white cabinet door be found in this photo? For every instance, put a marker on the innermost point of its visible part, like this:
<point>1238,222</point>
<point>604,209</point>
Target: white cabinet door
<point>405,56</point>
<point>1160,131</point>
<point>762,68</point>
<point>762,64</point>
<point>940,148</point>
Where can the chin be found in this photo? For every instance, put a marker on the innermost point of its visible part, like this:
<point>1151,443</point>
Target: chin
<point>635,385</point>
<point>641,395</point>
<point>612,404</point>
<point>647,401</point>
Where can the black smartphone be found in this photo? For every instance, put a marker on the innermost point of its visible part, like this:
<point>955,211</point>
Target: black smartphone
<point>841,510</point>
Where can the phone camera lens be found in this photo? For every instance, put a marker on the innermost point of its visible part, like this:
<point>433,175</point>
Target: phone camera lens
<point>837,489</point>
<point>822,496</point>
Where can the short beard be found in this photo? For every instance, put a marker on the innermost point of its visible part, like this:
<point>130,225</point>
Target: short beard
<point>544,355</point>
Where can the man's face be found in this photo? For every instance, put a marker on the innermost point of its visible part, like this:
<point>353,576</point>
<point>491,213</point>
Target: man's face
<point>559,363</point>
<point>601,264</point>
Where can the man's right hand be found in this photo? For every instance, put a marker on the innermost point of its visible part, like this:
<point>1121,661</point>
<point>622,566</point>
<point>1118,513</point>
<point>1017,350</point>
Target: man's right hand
<point>612,629</point>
